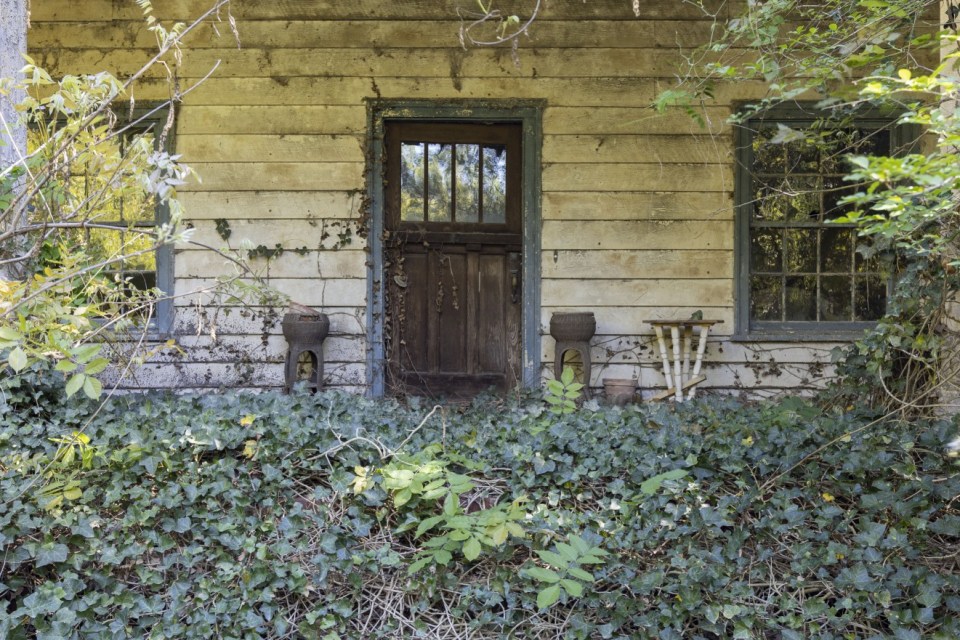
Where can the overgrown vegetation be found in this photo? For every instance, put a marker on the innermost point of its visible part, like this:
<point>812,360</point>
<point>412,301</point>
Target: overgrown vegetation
<point>337,517</point>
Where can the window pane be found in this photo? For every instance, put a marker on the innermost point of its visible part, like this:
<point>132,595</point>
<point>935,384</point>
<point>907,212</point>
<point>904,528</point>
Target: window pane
<point>495,184</point>
<point>801,298</point>
<point>803,156</point>
<point>835,189</point>
<point>439,182</point>
<point>803,194</point>
<point>835,298</point>
<point>770,201</point>
<point>138,207</point>
<point>836,250</point>
<point>766,252</point>
<point>139,242</point>
<point>800,255</point>
<point>411,182</point>
<point>468,183</point>
<point>765,298</point>
<point>767,156</point>
<point>104,244</point>
<point>870,297</point>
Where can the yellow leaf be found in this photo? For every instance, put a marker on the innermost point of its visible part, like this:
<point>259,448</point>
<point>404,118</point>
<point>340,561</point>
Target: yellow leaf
<point>904,74</point>
<point>747,442</point>
<point>247,420</point>
<point>827,497</point>
<point>250,449</point>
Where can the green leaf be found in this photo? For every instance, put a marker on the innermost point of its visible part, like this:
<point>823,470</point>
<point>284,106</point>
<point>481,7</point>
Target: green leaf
<point>566,377</point>
<point>86,353</point>
<point>66,366</point>
<point>75,383</point>
<point>426,525</point>
<point>572,587</point>
<point>543,574</point>
<point>567,551</point>
<point>51,553</point>
<point>17,359</point>
<point>548,596</point>
<point>92,388</point>
<point>652,485</point>
<point>419,564</point>
<point>581,545</point>
<point>471,549</point>
<point>9,334</point>
<point>579,573</point>
<point>499,535</point>
<point>552,558</point>
<point>96,366</point>
<point>402,497</point>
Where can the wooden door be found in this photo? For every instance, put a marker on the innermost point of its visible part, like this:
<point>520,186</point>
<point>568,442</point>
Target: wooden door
<point>453,260</point>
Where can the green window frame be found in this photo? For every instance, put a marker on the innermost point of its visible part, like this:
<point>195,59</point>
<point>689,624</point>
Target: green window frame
<point>143,119</point>
<point>799,275</point>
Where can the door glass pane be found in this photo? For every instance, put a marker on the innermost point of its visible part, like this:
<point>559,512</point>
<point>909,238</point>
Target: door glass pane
<point>765,298</point>
<point>495,184</point>
<point>440,183</point>
<point>468,183</point>
<point>803,193</point>
<point>770,202</point>
<point>801,298</point>
<point>411,182</point>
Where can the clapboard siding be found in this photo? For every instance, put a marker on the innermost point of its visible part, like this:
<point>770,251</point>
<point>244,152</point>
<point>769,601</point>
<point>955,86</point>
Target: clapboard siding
<point>636,205</point>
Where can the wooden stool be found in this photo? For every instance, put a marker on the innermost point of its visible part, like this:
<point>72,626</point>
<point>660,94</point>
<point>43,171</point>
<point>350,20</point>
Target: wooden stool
<point>682,379</point>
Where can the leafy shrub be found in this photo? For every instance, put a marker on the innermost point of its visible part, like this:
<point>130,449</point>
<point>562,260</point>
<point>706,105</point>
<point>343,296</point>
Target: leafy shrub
<point>285,516</point>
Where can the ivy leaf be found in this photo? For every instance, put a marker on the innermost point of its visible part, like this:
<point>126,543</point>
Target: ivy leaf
<point>51,553</point>
<point>548,596</point>
<point>17,360</point>
<point>651,485</point>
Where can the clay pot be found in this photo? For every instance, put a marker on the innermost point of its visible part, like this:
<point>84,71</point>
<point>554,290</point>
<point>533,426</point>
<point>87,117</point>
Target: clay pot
<point>305,329</point>
<point>573,327</point>
<point>619,391</point>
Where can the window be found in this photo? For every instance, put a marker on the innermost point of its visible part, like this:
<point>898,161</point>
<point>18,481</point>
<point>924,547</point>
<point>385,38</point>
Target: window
<point>121,218</point>
<point>799,273</point>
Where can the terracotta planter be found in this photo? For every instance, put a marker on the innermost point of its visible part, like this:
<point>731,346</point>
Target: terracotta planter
<point>619,391</point>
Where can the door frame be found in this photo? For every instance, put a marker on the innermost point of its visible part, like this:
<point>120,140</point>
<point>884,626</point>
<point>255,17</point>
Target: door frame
<point>527,113</point>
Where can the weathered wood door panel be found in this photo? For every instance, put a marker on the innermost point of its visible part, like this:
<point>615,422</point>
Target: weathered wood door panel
<point>454,256</point>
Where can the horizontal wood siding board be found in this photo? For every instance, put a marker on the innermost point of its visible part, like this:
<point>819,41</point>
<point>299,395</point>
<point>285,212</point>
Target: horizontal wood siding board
<point>309,291</point>
<point>638,293</point>
<point>273,89</point>
<point>637,206</point>
<point>276,176</point>
<point>310,264</point>
<point>358,34</point>
<point>414,10</point>
<point>637,234</point>
<point>269,148</point>
<point>292,235</point>
<point>270,205</point>
<point>628,320</point>
<point>647,149</point>
<point>626,177</point>
<point>719,376</point>
<point>253,320</point>
<point>623,264</point>
<point>388,63</point>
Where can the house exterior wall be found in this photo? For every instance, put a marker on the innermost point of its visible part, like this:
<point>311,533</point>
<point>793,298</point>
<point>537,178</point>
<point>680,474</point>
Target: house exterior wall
<point>638,218</point>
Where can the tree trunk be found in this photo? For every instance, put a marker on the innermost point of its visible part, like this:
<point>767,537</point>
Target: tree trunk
<point>14,18</point>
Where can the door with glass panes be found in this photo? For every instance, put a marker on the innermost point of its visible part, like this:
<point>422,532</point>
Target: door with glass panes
<point>453,240</point>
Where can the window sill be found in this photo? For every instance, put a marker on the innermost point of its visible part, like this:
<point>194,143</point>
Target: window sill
<point>785,336</point>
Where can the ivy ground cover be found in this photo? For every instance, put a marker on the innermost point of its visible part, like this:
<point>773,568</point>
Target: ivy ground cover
<point>331,516</point>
